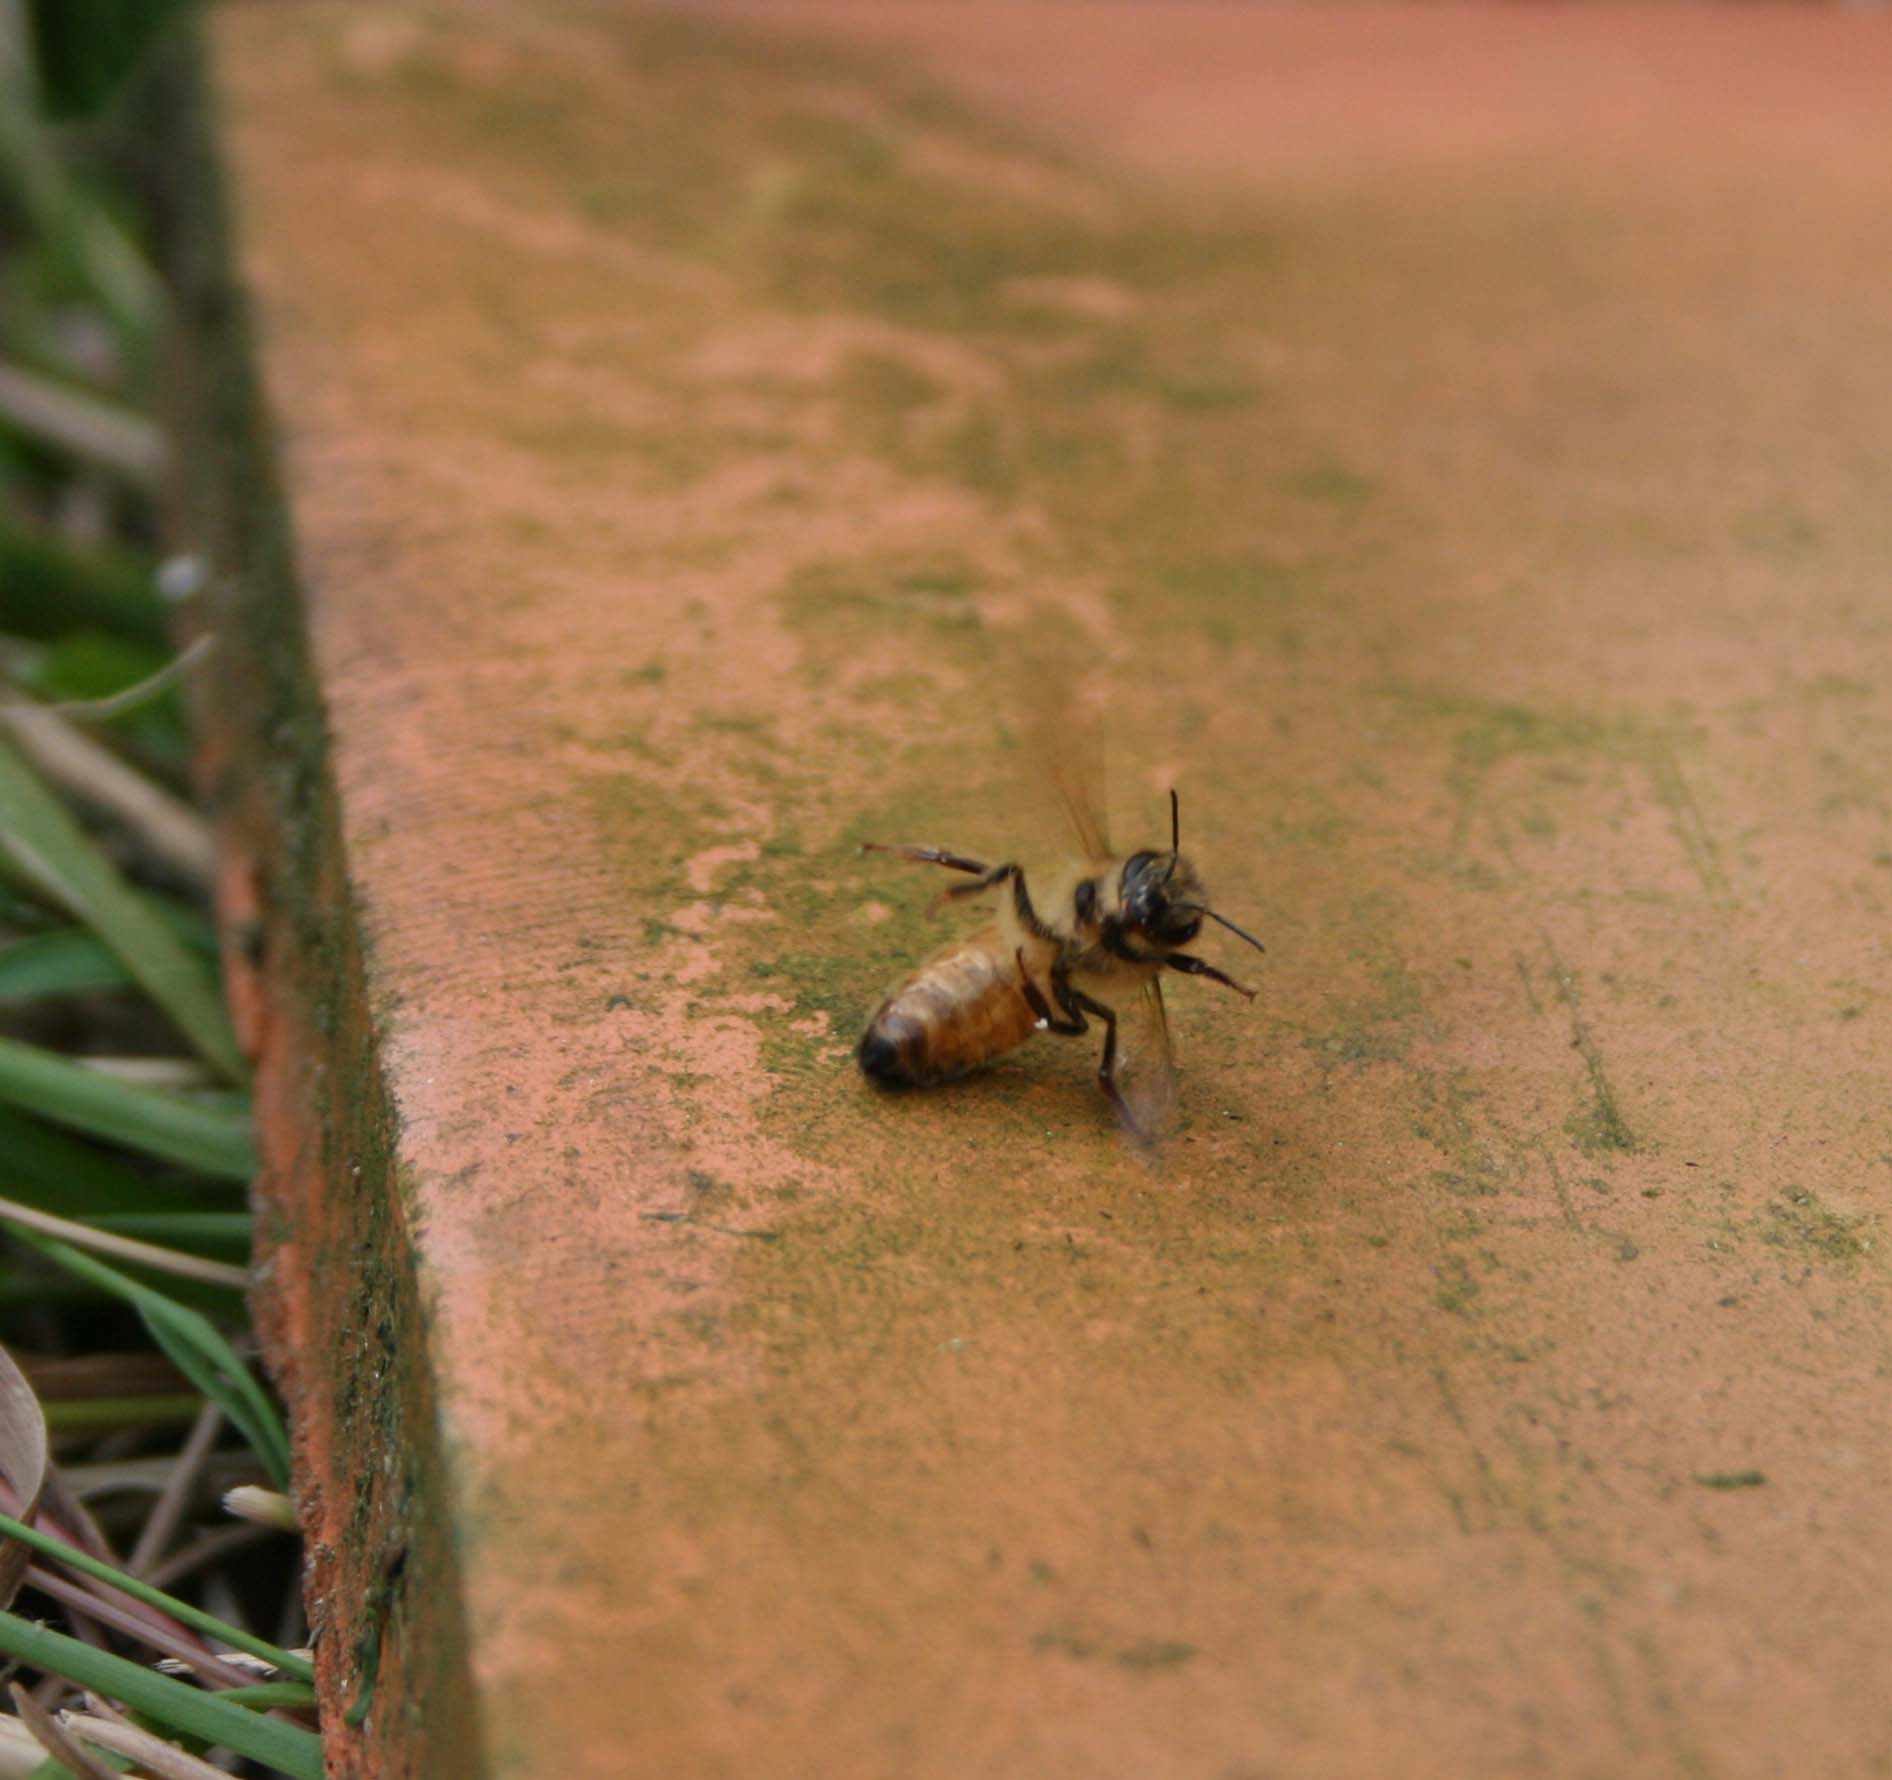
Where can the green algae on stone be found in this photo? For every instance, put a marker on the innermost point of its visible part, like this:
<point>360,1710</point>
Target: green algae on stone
<point>1334,483</point>
<point>1457,1290</point>
<point>1800,1220</point>
<point>378,1469</point>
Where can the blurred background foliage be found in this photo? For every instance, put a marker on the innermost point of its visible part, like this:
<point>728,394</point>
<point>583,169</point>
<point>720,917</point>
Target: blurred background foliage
<point>129,1401</point>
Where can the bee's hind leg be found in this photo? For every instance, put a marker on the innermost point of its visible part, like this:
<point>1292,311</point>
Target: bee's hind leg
<point>988,876</point>
<point>935,856</point>
<point>1021,899</point>
<point>984,877</point>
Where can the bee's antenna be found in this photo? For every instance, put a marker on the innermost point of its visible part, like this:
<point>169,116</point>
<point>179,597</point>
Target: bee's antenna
<point>1239,934</point>
<point>1175,821</point>
<point>1198,908</point>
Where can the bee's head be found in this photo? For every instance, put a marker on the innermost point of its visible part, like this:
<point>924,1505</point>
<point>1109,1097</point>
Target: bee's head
<point>1162,898</point>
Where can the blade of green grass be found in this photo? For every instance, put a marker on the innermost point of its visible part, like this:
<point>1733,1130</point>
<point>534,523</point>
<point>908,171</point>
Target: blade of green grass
<point>84,233</point>
<point>88,665</point>
<point>213,1139</point>
<point>195,1347</point>
<point>53,589</point>
<point>266,1696</point>
<point>97,679</point>
<point>189,925</point>
<point>164,828</point>
<point>215,1229</point>
<point>298,1668</point>
<point>69,1176</point>
<point>287,1748</point>
<point>97,1415</point>
<point>46,840</point>
<point>19,907</point>
<point>67,961</point>
<point>88,52</point>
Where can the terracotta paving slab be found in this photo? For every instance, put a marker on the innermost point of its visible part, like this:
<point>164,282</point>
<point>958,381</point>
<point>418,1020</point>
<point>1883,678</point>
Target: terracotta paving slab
<point>1455,449</point>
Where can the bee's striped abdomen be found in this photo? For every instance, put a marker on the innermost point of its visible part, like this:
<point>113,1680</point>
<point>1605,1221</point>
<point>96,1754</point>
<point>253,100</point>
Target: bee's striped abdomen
<point>955,1012</point>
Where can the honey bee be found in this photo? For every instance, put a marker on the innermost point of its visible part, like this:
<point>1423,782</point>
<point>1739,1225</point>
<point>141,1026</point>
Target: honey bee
<point>1090,943</point>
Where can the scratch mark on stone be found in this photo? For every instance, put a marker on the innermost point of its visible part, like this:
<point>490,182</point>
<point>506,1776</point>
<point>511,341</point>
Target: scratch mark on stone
<point>1602,1127</point>
<point>1530,989</point>
<point>1490,1490</point>
<point>696,1223</point>
<point>1564,1201</point>
<point>1685,816</point>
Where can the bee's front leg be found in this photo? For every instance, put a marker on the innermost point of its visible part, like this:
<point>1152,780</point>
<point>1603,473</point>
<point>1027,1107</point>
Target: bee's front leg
<point>1195,967</point>
<point>1021,897</point>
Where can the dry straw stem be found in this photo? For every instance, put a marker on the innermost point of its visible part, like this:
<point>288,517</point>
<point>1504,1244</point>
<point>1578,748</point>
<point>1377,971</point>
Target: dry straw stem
<point>125,1248</point>
<point>91,1602</point>
<point>207,1548</point>
<point>20,1753</point>
<point>161,1524</point>
<point>168,1075</point>
<point>129,698</point>
<point>147,1472</point>
<point>82,425</point>
<point>51,1736</point>
<point>165,826</point>
<point>252,1666</point>
<point>111,1730</point>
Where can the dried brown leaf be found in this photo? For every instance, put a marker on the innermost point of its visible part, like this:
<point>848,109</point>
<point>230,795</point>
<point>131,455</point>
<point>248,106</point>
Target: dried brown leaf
<point>23,1463</point>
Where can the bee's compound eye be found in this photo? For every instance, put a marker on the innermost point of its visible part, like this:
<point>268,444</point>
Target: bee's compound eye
<point>1176,927</point>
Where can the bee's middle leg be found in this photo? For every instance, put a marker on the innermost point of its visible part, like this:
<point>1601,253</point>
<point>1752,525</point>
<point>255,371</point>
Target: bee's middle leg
<point>1075,1005</point>
<point>1078,1004</point>
<point>1068,1025</point>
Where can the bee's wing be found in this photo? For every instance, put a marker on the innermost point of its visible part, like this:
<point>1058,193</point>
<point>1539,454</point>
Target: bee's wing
<point>1064,737</point>
<point>1078,780</point>
<point>1146,1067</point>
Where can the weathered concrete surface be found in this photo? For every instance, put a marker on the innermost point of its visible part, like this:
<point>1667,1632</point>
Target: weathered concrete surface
<point>1483,517</point>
